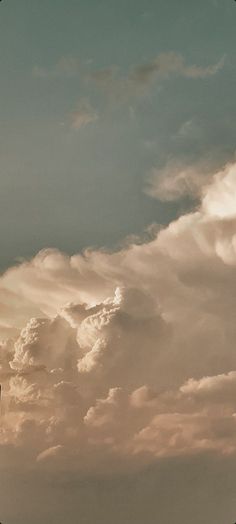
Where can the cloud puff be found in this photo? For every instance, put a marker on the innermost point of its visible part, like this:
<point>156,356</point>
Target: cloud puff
<point>176,180</point>
<point>131,355</point>
<point>180,179</point>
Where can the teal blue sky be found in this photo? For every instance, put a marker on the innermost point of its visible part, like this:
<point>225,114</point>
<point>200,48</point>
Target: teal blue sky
<point>73,185</point>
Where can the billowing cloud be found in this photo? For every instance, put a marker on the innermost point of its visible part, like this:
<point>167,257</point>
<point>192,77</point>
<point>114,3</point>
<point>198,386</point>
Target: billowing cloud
<point>121,358</point>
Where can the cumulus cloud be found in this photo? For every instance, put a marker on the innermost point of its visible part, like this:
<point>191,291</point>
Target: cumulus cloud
<point>122,358</point>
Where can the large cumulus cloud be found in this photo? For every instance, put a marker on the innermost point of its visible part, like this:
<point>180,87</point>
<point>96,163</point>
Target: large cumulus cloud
<point>120,358</point>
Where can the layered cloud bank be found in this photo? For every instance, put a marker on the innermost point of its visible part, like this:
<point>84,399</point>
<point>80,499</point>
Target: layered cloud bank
<point>121,358</point>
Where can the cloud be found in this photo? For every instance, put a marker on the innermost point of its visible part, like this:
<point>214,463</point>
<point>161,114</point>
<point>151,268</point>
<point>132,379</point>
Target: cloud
<point>131,356</point>
<point>166,64</point>
<point>219,198</point>
<point>83,115</point>
<point>49,453</point>
<point>163,66</point>
<point>177,180</point>
<point>139,78</point>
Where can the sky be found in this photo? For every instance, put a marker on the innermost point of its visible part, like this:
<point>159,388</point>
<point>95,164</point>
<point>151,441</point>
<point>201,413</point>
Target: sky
<point>69,185</point>
<point>117,262</point>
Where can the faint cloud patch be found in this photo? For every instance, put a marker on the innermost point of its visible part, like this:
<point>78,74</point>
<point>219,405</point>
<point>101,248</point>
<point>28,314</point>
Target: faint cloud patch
<point>84,114</point>
<point>67,66</point>
<point>189,129</point>
<point>139,78</point>
<point>177,180</point>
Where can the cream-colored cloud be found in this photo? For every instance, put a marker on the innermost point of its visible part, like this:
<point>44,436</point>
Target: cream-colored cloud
<point>50,453</point>
<point>121,358</point>
<point>177,180</point>
<point>219,199</point>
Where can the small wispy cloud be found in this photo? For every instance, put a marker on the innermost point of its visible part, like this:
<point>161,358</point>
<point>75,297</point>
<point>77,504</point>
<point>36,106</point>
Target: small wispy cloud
<point>177,180</point>
<point>84,114</point>
<point>139,78</point>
